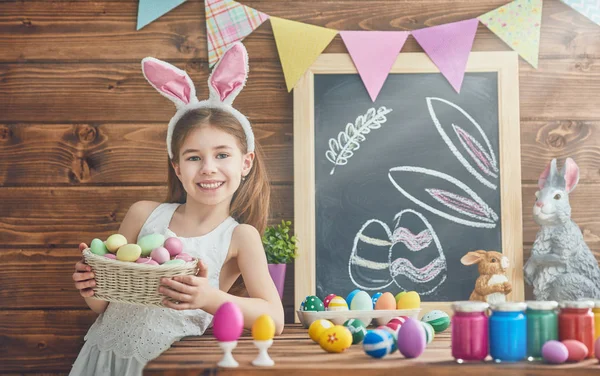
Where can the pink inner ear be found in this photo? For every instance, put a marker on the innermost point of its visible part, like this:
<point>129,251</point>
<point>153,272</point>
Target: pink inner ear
<point>470,259</point>
<point>543,177</point>
<point>571,174</point>
<point>168,81</point>
<point>230,73</point>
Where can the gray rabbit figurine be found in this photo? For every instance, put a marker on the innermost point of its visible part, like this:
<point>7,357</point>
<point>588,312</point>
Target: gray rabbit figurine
<point>561,266</point>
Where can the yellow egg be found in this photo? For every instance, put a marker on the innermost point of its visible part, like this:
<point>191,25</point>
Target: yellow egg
<point>263,328</point>
<point>317,328</point>
<point>129,252</point>
<point>410,300</point>
<point>337,304</point>
<point>336,339</point>
<point>114,242</point>
<point>386,301</point>
<point>398,295</point>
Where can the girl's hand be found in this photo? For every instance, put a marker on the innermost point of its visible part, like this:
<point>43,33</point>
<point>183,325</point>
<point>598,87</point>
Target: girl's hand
<point>188,291</point>
<point>84,277</point>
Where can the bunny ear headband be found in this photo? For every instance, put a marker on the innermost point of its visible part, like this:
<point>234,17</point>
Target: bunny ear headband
<point>224,84</point>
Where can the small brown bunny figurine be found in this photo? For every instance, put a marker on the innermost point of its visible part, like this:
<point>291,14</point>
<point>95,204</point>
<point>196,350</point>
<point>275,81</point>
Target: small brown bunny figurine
<point>491,286</point>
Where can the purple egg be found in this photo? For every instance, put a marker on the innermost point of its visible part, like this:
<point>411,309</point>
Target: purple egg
<point>411,338</point>
<point>174,246</point>
<point>228,323</point>
<point>555,352</point>
<point>111,256</point>
<point>160,255</point>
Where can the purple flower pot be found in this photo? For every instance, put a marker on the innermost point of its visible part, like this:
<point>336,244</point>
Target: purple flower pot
<point>277,272</point>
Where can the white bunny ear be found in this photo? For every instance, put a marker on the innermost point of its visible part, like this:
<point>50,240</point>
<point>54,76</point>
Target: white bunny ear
<point>229,75</point>
<point>169,81</point>
<point>570,172</point>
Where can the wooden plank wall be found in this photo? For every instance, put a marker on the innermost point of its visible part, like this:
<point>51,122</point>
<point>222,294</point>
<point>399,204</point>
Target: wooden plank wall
<point>82,133</point>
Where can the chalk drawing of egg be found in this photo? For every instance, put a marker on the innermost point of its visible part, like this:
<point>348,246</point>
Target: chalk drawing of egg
<point>461,206</point>
<point>478,159</point>
<point>368,266</point>
<point>425,278</point>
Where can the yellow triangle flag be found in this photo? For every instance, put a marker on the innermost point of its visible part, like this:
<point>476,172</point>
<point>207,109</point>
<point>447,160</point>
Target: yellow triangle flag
<point>299,45</point>
<point>518,25</point>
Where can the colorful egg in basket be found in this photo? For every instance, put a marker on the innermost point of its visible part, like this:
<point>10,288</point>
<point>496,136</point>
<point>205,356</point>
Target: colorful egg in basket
<point>132,282</point>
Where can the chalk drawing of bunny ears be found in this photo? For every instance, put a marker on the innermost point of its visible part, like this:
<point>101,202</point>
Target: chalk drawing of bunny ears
<point>373,264</point>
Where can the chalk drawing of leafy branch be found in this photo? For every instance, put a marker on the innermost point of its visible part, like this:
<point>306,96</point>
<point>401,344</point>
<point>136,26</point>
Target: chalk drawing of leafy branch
<point>348,141</point>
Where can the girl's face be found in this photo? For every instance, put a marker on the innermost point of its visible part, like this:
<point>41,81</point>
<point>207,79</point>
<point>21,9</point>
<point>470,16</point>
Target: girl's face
<point>211,166</point>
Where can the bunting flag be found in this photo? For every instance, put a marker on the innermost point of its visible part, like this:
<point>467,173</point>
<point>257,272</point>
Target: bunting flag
<point>589,8</point>
<point>149,10</point>
<point>374,53</point>
<point>518,25</point>
<point>227,22</point>
<point>299,45</point>
<point>449,46</point>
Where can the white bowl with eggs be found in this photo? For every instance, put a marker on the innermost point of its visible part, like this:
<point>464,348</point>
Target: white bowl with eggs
<point>380,317</point>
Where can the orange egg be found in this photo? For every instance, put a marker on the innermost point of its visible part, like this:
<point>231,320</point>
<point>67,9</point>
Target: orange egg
<point>386,301</point>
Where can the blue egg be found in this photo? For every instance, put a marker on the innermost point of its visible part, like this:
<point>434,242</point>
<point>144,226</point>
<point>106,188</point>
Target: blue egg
<point>375,297</point>
<point>351,296</point>
<point>378,343</point>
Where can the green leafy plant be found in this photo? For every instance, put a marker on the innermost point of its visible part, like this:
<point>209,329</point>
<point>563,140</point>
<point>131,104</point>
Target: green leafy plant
<point>280,247</point>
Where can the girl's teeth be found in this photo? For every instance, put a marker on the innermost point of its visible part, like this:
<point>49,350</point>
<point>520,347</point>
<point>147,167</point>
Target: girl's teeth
<point>210,186</point>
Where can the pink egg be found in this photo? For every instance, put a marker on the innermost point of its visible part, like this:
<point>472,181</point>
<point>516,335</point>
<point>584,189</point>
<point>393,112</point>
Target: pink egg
<point>111,256</point>
<point>577,350</point>
<point>555,352</point>
<point>597,347</point>
<point>174,246</point>
<point>160,255</point>
<point>184,256</point>
<point>146,260</point>
<point>328,299</point>
<point>228,322</point>
<point>411,338</point>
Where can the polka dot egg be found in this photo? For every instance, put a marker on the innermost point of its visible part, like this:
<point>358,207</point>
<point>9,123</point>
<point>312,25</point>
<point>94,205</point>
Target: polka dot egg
<point>378,343</point>
<point>313,303</point>
<point>317,328</point>
<point>439,320</point>
<point>336,339</point>
<point>358,330</point>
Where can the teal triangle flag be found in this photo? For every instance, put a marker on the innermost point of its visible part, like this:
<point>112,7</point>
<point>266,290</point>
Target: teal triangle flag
<point>149,10</point>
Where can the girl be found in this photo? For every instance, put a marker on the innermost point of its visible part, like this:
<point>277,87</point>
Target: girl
<point>218,197</point>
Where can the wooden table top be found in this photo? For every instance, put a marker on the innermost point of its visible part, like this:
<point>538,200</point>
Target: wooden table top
<point>295,353</point>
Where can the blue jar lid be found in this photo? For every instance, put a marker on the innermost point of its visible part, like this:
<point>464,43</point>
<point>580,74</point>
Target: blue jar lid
<point>509,306</point>
<point>542,305</point>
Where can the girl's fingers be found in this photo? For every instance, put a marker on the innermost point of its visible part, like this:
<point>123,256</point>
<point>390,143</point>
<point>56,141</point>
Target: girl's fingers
<point>178,306</point>
<point>82,276</point>
<point>174,294</point>
<point>82,246</point>
<point>189,280</point>
<point>84,285</point>
<point>202,269</point>
<point>82,267</point>
<point>87,293</point>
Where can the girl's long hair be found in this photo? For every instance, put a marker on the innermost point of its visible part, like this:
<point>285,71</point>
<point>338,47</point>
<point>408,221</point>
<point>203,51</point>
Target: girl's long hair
<point>250,203</point>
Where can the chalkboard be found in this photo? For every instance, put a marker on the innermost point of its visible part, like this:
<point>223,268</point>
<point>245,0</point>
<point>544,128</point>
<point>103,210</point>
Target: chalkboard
<point>406,185</point>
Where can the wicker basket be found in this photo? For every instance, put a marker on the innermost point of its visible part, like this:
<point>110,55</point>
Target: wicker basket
<point>130,282</point>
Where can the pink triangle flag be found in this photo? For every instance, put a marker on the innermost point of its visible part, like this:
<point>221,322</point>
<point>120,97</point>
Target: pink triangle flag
<point>374,53</point>
<point>449,46</point>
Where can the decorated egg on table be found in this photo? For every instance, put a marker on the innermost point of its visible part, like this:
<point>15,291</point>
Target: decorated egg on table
<point>328,299</point>
<point>160,255</point>
<point>110,256</point>
<point>336,339</point>
<point>375,297</point>
<point>394,336</point>
<point>555,352</point>
<point>114,242</point>
<point>396,322</point>
<point>410,300</point>
<point>146,260</point>
<point>263,328</point>
<point>317,328</point>
<point>429,332</point>
<point>98,247</point>
<point>386,301</point>
<point>174,245</point>
<point>129,252</point>
<point>148,242</point>
<point>577,350</point>
<point>313,303</point>
<point>358,330</point>
<point>184,256</point>
<point>228,322</point>
<point>351,296</point>
<point>361,302</point>
<point>411,338</point>
<point>337,304</point>
<point>378,343</point>
<point>439,320</point>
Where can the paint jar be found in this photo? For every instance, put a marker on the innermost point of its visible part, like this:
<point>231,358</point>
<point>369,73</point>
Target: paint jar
<point>469,335</point>
<point>542,326</point>
<point>596,311</point>
<point>508,332</point>
<point>576,321</point>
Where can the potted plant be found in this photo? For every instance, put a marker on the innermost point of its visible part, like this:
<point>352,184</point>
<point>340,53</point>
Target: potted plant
<point>280,248</point>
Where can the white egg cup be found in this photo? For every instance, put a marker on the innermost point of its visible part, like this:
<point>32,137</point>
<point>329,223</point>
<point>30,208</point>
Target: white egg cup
<point>227,361</point>
<point>263,359</point>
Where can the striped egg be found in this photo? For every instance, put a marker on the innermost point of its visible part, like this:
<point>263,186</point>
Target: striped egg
<point>378,343</point>
<point>439,320</point>
<point>327,300</point>
<point>396,322</point>
<point>429,332</point>
<point>337,304</point>
<point>394,336</point>
<point>358,330</point>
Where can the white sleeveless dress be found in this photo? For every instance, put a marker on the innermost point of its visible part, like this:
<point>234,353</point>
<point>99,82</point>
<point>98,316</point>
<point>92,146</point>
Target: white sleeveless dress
<point>125,337</point>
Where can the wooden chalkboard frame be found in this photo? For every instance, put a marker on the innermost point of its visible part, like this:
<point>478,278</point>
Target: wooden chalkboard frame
<point>505,63</point>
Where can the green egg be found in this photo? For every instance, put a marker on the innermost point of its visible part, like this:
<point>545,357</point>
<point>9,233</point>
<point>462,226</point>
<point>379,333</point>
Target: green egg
<point>175,262</point>
<point>149,242</point>
<point>98,248</point>
<point>313,303</point>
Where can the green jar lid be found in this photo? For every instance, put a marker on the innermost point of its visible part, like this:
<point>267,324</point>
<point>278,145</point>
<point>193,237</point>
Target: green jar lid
<point>542,305</point>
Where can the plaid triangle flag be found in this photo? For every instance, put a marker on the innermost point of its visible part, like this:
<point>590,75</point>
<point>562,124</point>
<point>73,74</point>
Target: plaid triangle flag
<point>227,22</point>
<point>589,8</point>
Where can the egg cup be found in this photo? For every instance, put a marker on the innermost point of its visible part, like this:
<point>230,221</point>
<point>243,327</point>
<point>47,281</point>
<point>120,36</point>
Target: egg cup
<point>228,361</point>
<point>263,359</point>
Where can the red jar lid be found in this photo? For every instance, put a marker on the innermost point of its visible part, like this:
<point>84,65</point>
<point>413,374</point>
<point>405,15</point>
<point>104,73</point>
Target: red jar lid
<point>582,304</point>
